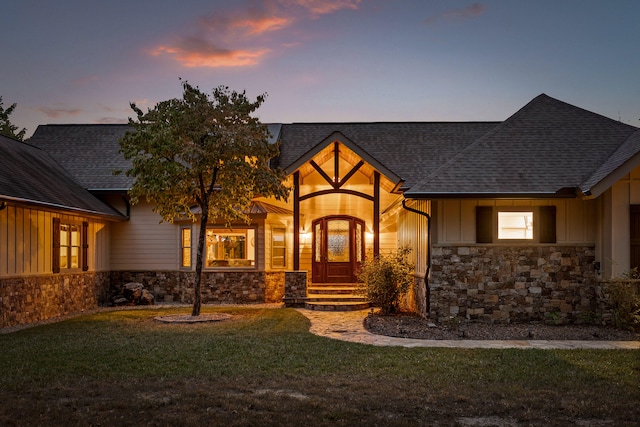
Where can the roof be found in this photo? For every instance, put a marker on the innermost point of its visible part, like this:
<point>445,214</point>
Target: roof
<point>89,152</point>
<point>408,149</point>
<point>30,175</point>
<point>547,148</point>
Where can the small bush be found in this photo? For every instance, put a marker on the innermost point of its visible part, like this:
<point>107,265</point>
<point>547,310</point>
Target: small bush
<point>384,279</point>
<point>624,296</point>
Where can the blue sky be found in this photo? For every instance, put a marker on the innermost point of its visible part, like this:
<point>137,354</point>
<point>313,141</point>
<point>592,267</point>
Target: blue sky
<point>83,61</point>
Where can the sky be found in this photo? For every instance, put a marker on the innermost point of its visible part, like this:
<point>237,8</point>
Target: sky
<point>84,61</point>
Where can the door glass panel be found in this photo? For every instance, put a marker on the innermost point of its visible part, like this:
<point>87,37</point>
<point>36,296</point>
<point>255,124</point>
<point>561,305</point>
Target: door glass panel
<point>358,242</point>
<point>318,234</point>
<point>338,241</point>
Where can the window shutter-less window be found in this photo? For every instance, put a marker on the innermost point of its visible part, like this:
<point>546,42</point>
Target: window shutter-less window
<point>55,252</point>
<point>547,224</point>
<point>484,224</point>
<point>84,239</point>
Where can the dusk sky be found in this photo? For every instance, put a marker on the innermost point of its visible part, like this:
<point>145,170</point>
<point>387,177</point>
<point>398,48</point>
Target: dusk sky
<point>83,61</point>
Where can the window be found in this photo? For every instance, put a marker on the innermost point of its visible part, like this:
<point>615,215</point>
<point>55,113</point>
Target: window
<point>70,248</point>
<point>227,248</point>
<point>278,248</point>
<point>502,224</point>
<point>185,245</point>
<point>515,225</point>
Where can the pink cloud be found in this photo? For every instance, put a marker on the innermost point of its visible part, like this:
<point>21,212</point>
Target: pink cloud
<point>476,9</point>
<point>239,38</point>
<point>323,7</point>
<point>197,52</point>
<point>264,24</point>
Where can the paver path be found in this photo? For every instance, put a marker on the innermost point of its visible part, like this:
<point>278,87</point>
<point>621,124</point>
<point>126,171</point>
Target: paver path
<point>347,326</point>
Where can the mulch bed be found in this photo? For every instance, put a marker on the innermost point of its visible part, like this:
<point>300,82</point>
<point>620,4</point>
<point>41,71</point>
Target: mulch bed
<point>405,325</point>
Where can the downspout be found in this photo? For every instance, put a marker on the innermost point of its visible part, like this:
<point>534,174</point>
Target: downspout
<point>426,276</point>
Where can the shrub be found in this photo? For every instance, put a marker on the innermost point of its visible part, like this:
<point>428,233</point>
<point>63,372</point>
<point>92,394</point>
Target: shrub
<point>385,278</point>
<point>624,297</point>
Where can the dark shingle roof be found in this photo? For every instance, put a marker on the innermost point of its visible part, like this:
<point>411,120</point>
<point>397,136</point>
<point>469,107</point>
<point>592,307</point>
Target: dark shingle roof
<point>544,148</point>
<point>88,152</point>
<point>29,175</point>
<point>411,150</point>
<point>547,147</point>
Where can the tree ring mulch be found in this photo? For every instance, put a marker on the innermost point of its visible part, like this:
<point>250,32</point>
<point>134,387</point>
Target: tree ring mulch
<point>187,318</point>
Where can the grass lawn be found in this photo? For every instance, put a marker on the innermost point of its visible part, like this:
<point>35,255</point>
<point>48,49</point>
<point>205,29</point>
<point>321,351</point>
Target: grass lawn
<point>263,367</point>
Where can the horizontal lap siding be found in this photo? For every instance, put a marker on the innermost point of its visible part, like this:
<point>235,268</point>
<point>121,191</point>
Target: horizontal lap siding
<point>143,243</point>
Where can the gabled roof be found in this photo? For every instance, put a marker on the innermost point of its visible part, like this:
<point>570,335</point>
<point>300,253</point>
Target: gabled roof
<point>29,175</point>
<point>548,148</point>
<point>89,152</point>
<point>409,150</point>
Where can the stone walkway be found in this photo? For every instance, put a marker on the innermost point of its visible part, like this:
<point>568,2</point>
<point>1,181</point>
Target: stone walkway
<point>347,326</point>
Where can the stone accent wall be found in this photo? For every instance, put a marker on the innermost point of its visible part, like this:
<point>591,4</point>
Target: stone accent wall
<point>295,288</point>
<point>514,283</point>
<point>34,298</point>
<point>218,287</point>
<point>274,286</point>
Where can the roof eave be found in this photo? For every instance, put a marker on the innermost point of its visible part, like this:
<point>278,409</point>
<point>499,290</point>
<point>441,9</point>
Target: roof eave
<point>63,208</point>
<point>597,189</point>
<point>561,194</point>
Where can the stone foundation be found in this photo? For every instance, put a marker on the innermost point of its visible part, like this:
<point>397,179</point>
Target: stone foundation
<point>218,287</point>
<point>555,284</point>
<point>34,298</point>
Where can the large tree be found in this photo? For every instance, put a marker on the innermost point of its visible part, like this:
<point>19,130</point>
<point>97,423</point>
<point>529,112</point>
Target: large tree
<point>6,127</point>
<point>202,150</point>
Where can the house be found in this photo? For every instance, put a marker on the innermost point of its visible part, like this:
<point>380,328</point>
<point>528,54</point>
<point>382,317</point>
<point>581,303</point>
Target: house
<point>54,238</point>
<point>508,221</point>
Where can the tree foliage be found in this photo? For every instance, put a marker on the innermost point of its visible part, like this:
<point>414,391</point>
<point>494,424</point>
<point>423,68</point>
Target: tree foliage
<point>6,127</point>
<point>202,150</point>
<point>385,278</point>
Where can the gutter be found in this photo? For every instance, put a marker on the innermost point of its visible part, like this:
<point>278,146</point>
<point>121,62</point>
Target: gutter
<point>428,271</point>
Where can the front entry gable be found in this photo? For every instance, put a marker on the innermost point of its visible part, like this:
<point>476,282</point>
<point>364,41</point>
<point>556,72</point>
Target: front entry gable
<point>337,158</point>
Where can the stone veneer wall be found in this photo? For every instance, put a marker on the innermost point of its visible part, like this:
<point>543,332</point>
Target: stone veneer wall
<point>34,298</point>
<point>514,283</point>
<point>218,287</point>
<point>295,288</point>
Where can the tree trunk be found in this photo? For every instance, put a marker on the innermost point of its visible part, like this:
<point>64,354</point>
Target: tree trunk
<point>197,302</point>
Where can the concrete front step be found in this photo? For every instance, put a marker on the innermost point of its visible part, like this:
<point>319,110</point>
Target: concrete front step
<point>335,297</point>
<point>331,290</point>
<point>336,306</point>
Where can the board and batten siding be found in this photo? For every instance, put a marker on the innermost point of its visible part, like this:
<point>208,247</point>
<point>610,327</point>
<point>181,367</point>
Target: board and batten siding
<point>145,243</point>
<point>576,220</point>
<point>26,241</point>
<point>413,233</point>
<point>614,240</point>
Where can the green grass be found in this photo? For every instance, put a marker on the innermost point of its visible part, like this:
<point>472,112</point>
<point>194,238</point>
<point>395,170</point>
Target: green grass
<point>263,367</point>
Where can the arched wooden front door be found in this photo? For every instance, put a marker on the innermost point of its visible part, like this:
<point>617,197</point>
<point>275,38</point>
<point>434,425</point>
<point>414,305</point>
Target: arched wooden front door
<point>338,249</point>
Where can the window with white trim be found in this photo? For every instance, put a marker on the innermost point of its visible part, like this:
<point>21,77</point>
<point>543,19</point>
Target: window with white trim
<point>515,225</point>
<point>278,248</point>
<point>185,247</point>
<point>231,248</point>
